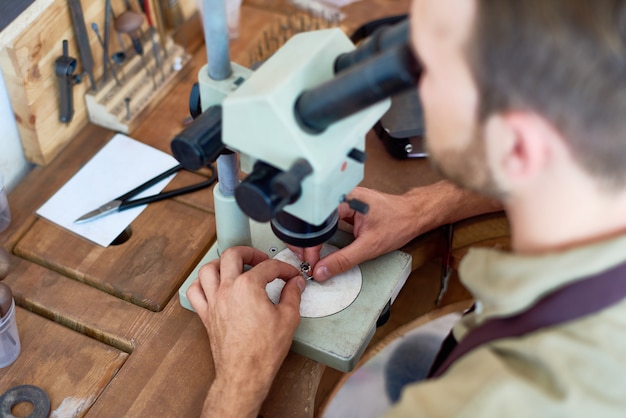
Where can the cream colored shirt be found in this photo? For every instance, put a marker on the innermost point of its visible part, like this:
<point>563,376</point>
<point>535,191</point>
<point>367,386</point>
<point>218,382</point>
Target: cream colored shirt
<point>576,369</point>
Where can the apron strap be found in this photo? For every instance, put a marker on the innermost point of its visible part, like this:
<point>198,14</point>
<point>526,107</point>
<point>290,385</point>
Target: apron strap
<point>570,302</point>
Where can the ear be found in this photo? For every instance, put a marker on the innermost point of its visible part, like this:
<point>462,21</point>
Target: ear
<point>519,145</point>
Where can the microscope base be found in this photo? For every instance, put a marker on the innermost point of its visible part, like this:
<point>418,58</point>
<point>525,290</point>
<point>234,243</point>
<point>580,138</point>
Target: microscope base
<point>337,340</point>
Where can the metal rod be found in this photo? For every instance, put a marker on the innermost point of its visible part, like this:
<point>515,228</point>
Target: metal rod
<point>105,47</point>
<point>94,26</point>
<point>228,170</point>
<point>219,68</point>
<point>80,30</point>
<point>216,39</point>
<point>127,103</point>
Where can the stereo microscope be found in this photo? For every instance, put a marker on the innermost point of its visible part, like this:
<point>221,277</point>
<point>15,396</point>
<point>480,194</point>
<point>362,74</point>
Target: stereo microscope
<point>296,127</point>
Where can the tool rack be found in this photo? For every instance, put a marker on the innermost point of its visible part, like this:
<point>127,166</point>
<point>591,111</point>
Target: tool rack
<point>29,48</point>
<point>121,107</point>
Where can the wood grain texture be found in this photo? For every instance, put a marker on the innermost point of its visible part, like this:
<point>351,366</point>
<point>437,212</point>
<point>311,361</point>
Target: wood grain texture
<point>42,182</point>
<point>167,239</point>
<point>72,382</point>
<point>27,63</point>
<point>76,305</point>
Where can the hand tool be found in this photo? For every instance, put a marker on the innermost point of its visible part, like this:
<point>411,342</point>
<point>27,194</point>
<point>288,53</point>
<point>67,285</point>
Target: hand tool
<point>64,68</point>
<point>122,202</point>
<point>119,58</point>
<point>129,23</point>
<point>151,31</point>
<point>82,39</point>
<point>105,48</point>
<point>160,25</point>
<point>127,103</point>
<point>94,26</point>
<point>120,39</point>
<point>446,262</point>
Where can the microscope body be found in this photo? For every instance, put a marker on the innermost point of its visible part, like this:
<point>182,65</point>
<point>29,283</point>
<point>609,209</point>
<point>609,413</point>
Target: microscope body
<point>260,124</point>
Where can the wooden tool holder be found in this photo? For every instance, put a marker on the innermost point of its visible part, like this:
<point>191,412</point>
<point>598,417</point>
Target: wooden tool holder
<point>121,107</point>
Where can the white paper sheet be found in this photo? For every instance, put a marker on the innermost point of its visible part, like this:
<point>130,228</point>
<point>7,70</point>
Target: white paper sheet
<point>120,166</point>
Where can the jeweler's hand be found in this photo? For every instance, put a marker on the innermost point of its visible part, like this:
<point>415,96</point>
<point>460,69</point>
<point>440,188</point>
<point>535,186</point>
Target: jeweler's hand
<point>392,221</point>
<point>386,227</point>
<point>250,336</point>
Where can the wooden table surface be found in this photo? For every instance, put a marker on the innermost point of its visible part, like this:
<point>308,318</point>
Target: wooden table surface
<point>102,330</point>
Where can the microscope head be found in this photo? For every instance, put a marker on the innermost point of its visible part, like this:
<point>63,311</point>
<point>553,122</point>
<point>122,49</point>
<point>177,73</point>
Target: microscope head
<point>298,124</point>
<point>297,177</point>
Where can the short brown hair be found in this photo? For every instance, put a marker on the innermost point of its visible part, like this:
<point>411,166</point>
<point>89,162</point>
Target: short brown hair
<point>564,59</point>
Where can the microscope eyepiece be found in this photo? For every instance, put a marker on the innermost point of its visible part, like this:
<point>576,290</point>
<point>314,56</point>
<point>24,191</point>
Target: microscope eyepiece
<point>381,39</point>
<point>356,88</point>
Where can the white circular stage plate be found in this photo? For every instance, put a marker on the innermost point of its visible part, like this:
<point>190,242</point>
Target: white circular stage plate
<point>320,299</point>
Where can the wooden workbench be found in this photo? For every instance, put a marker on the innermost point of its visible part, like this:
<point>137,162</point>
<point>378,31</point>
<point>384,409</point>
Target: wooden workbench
<point>102,330</point>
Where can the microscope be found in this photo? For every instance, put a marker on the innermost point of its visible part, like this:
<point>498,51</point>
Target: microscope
<point>296,127</point>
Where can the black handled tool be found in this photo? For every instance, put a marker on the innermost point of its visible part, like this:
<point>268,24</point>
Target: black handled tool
<point>124,201</point>
<point>64,68</point>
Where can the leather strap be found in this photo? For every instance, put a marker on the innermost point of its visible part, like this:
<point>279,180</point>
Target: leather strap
<point>573,301</point>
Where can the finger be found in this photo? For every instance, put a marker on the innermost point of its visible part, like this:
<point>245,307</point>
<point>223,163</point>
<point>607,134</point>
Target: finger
<point>233,260</point>
<point>209,277</point>
<point>312,254</point>
<point>269,270</point>
<point>346,213</point>
<point>340,261</point>
<point>299,251</point>
<point>290,299</point>
<point>197,298</point>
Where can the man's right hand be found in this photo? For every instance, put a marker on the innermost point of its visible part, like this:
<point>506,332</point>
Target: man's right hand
<point>392,221</point>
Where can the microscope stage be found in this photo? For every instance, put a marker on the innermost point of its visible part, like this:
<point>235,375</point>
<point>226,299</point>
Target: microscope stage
<point>320,299</point>
<point>337,340</point>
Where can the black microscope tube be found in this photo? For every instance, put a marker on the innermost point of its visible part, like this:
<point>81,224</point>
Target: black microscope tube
<point>382,39</point>
<point>356,88</point>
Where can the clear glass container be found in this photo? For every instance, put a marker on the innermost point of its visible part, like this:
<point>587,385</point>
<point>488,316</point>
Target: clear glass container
<point>5,211</point>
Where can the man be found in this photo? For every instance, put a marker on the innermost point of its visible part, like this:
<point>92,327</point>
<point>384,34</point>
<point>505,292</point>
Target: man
<point>524,101</point>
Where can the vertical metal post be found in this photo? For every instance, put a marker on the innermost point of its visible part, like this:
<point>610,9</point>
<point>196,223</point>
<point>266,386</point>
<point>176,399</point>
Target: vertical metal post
<point>218,62</point>
<point>216,38</point>
<point>232,226</point>
<point>228,171</point>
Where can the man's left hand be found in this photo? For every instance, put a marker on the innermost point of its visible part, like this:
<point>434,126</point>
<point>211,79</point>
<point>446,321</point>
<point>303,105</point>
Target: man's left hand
<point>250,336</point>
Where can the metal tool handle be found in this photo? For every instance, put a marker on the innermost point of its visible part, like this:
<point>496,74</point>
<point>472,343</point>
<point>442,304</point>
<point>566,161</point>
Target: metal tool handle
<point>149,183</point>
<point>173,193</point>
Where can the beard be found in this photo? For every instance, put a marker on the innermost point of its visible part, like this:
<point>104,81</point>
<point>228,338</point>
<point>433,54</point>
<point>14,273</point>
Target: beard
<point>467,167</point>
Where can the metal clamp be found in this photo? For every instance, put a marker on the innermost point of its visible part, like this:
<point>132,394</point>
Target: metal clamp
<point>64,68</point>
